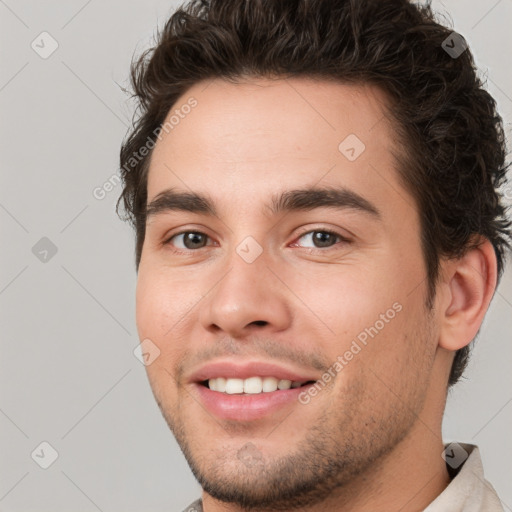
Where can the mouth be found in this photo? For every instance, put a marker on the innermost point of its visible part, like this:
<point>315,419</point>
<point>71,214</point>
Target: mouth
<point>249,390</point>
<point>253,385</point>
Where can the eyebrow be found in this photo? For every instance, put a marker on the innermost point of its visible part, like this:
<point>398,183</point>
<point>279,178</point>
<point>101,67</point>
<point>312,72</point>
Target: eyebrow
<point>339,198</point>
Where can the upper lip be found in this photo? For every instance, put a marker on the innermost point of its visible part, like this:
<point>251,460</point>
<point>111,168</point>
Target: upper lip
<point>244,370</point>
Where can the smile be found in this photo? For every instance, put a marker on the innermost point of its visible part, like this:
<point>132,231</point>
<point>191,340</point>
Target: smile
<point>251,385</point>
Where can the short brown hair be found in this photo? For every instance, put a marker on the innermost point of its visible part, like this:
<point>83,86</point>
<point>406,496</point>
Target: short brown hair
<point>454,149</point>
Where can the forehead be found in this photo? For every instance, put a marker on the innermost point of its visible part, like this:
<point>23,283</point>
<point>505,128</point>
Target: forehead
<point>249,138</point>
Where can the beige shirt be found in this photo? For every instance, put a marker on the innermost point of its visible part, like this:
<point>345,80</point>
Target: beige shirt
<point>468,491</point>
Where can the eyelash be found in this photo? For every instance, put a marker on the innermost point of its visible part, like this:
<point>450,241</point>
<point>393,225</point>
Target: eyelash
<point>340,238</point>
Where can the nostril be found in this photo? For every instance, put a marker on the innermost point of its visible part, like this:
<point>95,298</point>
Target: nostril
<point>259,322</point>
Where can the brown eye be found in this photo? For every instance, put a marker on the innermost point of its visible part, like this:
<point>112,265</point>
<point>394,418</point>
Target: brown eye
<point>189,240</point>
<point>319,239</point>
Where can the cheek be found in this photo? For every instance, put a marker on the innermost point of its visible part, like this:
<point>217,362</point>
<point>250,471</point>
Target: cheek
<point>399,353</point>
<point>156,313</point>
<point>149,303</point>
<point>160,303</point>
<point>372,316</point>
<point>347,301</point>
<point>163,315</point>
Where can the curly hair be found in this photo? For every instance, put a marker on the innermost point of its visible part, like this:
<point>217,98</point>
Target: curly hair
<point>452,139</point>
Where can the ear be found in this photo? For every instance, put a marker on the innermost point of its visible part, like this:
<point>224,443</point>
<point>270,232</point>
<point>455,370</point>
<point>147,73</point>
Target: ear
<point>469,285</point>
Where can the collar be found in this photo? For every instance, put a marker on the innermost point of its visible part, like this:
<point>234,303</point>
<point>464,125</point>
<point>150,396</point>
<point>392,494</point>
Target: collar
<point>468,491</point>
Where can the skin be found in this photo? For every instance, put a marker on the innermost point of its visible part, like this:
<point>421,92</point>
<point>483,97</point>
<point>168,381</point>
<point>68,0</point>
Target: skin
<point>371,439</point>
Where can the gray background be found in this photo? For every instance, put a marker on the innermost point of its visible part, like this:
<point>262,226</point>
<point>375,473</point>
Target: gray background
<point>68,375</point>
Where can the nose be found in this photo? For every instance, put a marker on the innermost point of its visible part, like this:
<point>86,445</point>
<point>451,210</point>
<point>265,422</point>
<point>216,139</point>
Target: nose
<point>247,299</point>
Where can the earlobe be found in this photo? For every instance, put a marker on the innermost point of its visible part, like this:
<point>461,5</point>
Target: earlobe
<point>470,285</point>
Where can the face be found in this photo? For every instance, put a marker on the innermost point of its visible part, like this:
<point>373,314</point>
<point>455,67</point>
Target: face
<point>283,282</point>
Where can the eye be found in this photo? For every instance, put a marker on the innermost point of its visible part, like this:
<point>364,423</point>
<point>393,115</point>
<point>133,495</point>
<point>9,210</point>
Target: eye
<point>316,239</point>
<point>188,240</point>
<point>319,239</point>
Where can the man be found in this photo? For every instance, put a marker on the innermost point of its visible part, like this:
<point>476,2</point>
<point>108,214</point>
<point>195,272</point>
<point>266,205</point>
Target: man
<point>314,187</point>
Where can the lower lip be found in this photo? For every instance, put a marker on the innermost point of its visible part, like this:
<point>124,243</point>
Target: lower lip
<point>248,407</point>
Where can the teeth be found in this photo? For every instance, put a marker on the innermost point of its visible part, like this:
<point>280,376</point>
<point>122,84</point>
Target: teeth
<point>284,384</point>
<point>269,384</point>
<point>220,385</point>
<point>252,385</point>
<point>234,386</point>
